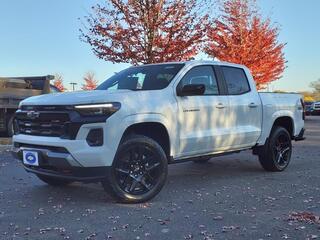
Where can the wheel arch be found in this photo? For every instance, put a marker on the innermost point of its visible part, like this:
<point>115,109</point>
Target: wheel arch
<point>153,129</point>
<point>282,121</point>
<point>285,122</point>
<point>279,118</point>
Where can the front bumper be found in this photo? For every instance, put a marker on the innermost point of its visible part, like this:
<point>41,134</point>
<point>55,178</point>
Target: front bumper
<point>57,162</point>
<point>79,149</point>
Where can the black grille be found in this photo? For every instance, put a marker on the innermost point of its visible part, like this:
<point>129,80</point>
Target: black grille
<point>46,108</point>
<point>53,124</point>
<point>52,121</point>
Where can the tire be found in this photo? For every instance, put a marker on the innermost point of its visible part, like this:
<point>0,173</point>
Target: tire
<point>9,126</point>
<point>202,160</point>
<point>54,181</point>
<point>276,154</point>
<point>139,170</point>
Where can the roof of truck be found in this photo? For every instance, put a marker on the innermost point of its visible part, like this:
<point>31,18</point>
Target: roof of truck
<point>198,62</point>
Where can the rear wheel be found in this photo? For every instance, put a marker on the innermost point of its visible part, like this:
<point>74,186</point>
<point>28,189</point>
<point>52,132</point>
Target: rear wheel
<point>276,154</point>
<point>139,170</point>
<point>54,181</point>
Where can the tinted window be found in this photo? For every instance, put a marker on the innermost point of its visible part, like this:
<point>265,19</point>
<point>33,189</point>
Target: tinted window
<point>148,77</point>
<point>202,75</point>
<point>236,79</point>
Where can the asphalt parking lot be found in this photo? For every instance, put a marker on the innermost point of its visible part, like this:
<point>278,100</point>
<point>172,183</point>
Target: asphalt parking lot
<point>230,197</point>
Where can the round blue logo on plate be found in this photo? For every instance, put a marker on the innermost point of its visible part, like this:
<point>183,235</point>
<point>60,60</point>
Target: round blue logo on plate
<point>31,158</point>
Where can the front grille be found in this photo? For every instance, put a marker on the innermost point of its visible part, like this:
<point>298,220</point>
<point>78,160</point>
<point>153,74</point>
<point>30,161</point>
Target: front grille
<point>46,108</point>
<point>51,124</point>
<point>50,121</point>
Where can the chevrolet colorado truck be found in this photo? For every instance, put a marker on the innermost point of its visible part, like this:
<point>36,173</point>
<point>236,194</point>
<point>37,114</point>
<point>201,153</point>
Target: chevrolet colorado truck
<point>126,132</point>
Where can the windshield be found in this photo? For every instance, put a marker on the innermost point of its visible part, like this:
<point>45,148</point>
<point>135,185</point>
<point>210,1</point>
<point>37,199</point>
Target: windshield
<point>147,77</point>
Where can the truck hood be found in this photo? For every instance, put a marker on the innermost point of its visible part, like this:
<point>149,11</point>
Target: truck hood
<point>80,97</point>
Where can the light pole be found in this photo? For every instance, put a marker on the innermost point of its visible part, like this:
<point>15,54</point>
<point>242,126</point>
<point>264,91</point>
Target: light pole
<point>73,85</point>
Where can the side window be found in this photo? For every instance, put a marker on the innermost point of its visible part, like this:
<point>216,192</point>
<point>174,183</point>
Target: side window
<point>236,79</point>
<point>202,75</point>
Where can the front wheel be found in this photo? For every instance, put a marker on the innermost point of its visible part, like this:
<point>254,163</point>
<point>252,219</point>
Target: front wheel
<point>276,154</point>
<point>139,170</point>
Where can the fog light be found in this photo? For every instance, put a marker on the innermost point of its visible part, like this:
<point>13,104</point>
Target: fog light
<point>95,137</point>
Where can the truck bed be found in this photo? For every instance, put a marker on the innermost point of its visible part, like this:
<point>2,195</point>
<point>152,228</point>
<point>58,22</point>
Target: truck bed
<point>15,89</point>
<point>11,97</point>
<point>277,104</point>
<point>280,99</point>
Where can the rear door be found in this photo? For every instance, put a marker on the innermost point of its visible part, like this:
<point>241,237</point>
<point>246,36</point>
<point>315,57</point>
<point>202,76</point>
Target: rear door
<point>202,119</point>
<point>245,110</point>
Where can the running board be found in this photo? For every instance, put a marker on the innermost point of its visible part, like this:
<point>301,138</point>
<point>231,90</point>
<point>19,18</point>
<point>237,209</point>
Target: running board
<point>199,157</point>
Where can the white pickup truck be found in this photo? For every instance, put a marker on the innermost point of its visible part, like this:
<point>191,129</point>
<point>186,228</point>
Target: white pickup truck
<point>126,132</point>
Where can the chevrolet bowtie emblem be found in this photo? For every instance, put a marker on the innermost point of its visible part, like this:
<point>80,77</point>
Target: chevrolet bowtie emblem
<point>33,114</point>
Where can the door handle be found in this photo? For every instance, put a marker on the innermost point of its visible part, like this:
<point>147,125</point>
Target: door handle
<point>252,105</point>
<point>220,106</point>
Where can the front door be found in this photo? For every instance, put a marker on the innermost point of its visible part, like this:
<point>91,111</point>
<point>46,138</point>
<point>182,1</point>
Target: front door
<point>202,119</point>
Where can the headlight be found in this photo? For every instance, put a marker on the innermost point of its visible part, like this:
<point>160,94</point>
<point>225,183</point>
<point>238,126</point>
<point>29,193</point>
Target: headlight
<point>99,109</point>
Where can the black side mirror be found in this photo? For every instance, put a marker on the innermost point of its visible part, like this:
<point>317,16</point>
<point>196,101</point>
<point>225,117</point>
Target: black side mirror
<point>192,90</point>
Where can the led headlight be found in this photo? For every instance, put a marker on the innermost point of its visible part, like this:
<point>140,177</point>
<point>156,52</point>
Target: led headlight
<point>98,109</point>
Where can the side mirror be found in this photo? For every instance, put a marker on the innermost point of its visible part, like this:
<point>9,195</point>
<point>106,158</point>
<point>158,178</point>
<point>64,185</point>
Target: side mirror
<point>191,90</point>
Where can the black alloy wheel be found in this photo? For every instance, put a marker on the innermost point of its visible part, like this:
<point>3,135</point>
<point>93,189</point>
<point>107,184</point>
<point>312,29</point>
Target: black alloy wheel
<point>139,170</point>
<point>282,149</point>
<point>276,153</point>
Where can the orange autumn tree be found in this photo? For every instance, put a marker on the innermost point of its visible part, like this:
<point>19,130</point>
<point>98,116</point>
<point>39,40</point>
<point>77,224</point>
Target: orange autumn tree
<point>90,82</point>
<point>240,35</point>
<point>145,31</point>
<point>58,82</point>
